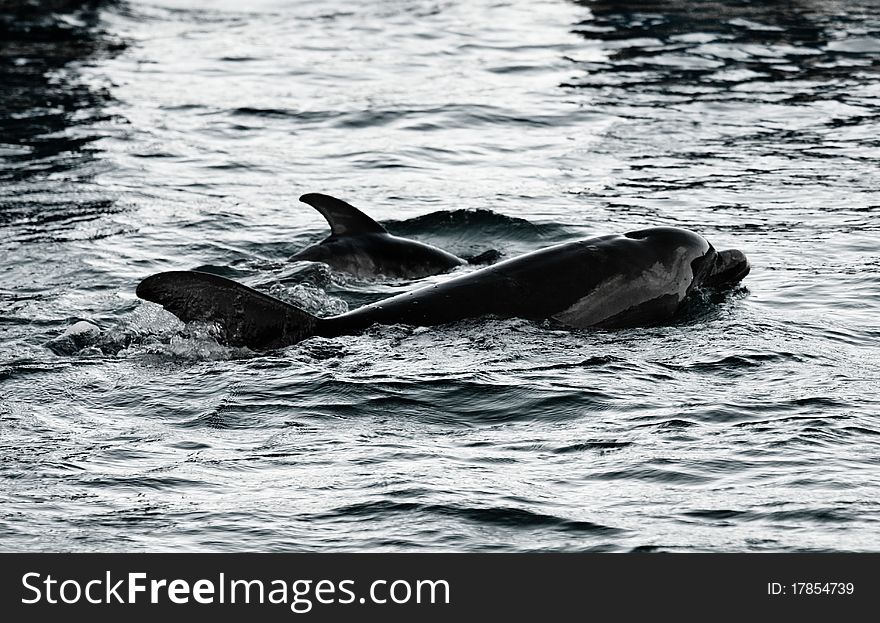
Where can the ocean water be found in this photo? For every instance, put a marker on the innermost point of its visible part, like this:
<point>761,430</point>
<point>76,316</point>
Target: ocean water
<point>137,137</point>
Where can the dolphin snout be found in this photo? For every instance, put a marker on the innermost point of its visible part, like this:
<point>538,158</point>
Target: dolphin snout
<point>731,267</point>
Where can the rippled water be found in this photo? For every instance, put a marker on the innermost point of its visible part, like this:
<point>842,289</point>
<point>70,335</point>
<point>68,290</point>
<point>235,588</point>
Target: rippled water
<point>146,136</point>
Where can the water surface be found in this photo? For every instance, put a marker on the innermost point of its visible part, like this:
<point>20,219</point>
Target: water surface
<point>146,136</point>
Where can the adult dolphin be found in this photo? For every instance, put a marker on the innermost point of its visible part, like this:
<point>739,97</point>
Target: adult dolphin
<point>636,279</point>
<point>359,245</point>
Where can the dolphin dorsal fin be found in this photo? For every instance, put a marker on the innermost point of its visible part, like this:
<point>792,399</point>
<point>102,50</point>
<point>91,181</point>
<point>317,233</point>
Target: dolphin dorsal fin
<point>344,219</point>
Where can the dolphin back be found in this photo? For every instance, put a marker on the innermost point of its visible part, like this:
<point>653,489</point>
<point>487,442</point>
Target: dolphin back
<point>245,316</point>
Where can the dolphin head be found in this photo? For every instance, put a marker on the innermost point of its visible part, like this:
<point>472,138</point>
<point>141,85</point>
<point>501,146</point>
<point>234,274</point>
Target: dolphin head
<point>710,268</point>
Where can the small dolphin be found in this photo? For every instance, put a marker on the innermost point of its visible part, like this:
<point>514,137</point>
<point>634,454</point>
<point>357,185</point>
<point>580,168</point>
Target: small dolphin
<point>359,245</point>
<point>636,279</point>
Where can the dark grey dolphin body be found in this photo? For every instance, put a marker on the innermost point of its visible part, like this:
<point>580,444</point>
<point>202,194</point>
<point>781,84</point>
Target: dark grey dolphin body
<point>359,245</point>
<point>637,279</point>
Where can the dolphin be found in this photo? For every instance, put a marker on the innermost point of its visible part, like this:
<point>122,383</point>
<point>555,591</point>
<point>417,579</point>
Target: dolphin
<point>640,278</point>
<point>362,247</point>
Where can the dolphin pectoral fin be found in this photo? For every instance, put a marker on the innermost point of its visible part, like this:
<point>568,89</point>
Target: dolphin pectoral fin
<point>344,219</point>
<point>486,257</point>
<point>246,317</point>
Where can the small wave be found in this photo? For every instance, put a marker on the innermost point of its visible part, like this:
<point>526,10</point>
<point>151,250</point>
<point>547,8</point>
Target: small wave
<point>472,231</point>
<point>822,515</point>
<point>861,430</point>
<point>470,401</point>
<point>499,516</point>
<point>675,423</point>
<point>144,482</point>
<point>647,549</point>
<point>735,362</point>
<point>596,361</point>
<point>17,369</point>
<point>285,113</point>
<point>321,349</point>
<point>411,119</point>
<point>653,474</point>
<point>212,419</point>
<point>602,446</point>
<point>36,220</point>
<point>443,117</point>
<point>481,222</point>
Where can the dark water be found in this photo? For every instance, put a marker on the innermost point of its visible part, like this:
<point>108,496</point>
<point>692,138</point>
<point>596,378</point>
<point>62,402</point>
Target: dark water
<point>144,136</point>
